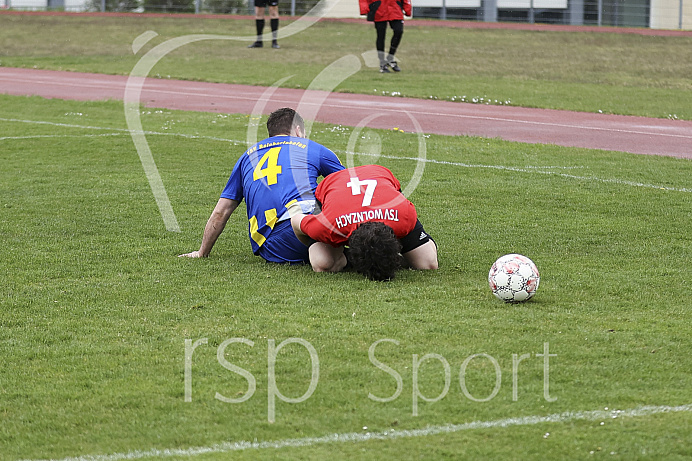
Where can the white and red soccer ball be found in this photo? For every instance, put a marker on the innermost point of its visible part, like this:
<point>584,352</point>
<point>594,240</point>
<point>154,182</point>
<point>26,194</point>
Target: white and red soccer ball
<point>514,278</point>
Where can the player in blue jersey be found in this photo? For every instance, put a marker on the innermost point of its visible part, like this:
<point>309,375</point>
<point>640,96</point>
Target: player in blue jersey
<point>277,177</point>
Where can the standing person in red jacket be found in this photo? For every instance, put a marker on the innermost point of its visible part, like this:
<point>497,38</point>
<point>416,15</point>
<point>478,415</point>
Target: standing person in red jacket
<point>383,12</point>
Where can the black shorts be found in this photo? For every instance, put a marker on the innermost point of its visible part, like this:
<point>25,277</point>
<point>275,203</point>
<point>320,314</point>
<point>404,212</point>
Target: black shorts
<point>415,238</point>
<point>265,3</point>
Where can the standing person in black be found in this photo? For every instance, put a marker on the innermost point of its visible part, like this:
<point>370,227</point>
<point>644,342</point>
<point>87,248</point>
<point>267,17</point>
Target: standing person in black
<point>260,5</point>
<point>382,12</point>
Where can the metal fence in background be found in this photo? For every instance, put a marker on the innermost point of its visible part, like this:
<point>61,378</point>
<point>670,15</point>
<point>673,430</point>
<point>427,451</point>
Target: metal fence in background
<point>657,14</point>
<point>660,14</point>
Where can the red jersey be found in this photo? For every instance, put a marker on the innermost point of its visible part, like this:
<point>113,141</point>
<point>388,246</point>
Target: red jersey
<point>357,195</point>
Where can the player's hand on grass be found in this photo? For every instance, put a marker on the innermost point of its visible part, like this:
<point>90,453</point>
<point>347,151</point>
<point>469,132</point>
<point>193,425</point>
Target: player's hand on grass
<point>193,254</point>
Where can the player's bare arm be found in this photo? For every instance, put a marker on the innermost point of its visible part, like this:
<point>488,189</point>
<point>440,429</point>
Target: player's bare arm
<point>323,257</point>
<point>295,223</point>
<point>217,221</point>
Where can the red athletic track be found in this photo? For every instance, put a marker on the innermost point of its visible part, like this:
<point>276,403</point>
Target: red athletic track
<point>596,131</point>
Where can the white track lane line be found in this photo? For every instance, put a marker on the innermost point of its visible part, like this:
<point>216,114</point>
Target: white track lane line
<point>344,106</point>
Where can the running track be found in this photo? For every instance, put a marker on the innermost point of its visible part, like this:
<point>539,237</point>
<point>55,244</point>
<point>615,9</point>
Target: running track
<point>638,135</point>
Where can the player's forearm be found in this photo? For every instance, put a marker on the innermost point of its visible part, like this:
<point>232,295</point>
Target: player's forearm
<point>215,225</point>
<point>212,230</point>
<point>302,236</point>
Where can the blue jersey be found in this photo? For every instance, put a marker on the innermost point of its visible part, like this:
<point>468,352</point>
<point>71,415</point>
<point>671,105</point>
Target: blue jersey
<point>277,175</point>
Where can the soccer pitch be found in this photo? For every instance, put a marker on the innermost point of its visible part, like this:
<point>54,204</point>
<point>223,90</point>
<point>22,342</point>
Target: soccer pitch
<point>99,315</point>
<point>114,348</point>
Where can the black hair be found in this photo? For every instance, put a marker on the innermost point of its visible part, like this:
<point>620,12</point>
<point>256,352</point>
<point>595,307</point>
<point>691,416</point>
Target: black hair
<point>374,251</point>
<point>282,121</point>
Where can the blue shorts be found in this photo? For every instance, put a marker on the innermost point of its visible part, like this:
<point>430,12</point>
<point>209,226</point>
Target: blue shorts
<point>283,246</point>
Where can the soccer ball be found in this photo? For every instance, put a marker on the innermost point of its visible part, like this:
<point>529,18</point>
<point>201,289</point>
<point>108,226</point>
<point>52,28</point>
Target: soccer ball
<point>514,278</point>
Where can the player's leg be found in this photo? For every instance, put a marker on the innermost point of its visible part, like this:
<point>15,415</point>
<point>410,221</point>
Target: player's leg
<point>398,29</point>
<point>326,258</point>
<point>381,31</point>
<point>282,246</point>
<point>259,23</point>
<point>423,257</point>
<point>274,21</point>
<point>419,249</point>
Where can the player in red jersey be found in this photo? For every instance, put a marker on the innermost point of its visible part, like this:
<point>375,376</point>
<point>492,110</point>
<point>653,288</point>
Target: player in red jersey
<point>363,207</point>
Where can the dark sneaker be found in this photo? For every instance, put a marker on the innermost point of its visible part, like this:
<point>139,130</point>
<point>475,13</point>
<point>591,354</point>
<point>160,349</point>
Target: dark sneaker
<point>256,45</point>
<point>384,68</point>
<point>395,67</point>
<point>275,45</point>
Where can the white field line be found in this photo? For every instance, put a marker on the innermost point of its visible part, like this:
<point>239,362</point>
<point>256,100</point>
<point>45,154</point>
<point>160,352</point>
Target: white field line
<point>41,136</point>
<point>391,434</point>
<point>547,170</point>
<point>120,130</point>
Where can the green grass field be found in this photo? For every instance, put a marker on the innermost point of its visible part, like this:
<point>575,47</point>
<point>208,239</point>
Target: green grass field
<point>96,309</point>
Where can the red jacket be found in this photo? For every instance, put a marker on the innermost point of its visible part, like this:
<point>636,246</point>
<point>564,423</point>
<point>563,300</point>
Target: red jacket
<point>386,10</point>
